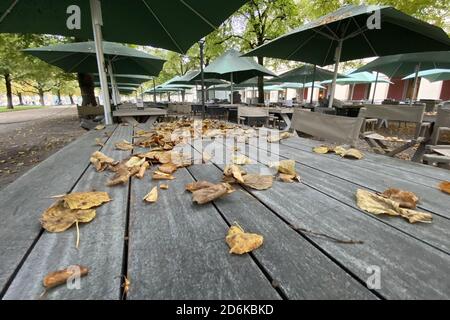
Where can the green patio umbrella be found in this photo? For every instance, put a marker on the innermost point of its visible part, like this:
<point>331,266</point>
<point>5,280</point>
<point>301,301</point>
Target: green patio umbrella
<point>355,32</point>
<point>401,65</point>
<point>128,78</point>
<point>192,77</point>
<point>81,57</point>
<point>231,66</point>
<point>118,84</point>
<point>171,24</point>
<point>432,75</point>
<point>294,85</point>
<point>304,74</point>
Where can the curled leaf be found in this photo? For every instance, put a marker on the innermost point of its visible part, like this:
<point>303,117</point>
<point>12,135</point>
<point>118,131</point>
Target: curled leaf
<point>373,203</point>
<point>164,186</point>
<point>54,279</point>
<point>152,196</point>
<point>276,137</point>
<point>234,171</point>
<point>99,142</point>
<point>168,168</point>
<point>444,186</point>
<point>123,145</point>
<point>134,162</point>
<point>142,170</point>
<point>241,242</point>
<point>405,199</point>
<point>158,175</point>
<point>194,186</point>
<point>289,178</point>
<point>240,160</point>
<point>353,154</point>
<point>100,161</point>
<point>323,149</point>
<point>211,193</point>
<point>100,127</point>
<point>85,200</point>
<point>58,218</point>
<point>258,182</point>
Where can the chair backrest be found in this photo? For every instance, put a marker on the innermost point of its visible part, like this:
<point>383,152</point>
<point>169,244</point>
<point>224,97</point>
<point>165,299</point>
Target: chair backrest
<point>171,107</point>
<point>329,127</point>
<point>244,111</point>
<point>442,120</point>
<point>404,113</point>
<point>184,108</point>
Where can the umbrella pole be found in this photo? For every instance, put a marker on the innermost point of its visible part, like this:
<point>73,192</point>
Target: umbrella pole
<point>312,87</point>
<point>232,89</point>
<point>202,44</point>
<point>416,78</point>
<point>336,67</point>
<point>154,90</point>
<point>97,22</point>
<point>375,88</point>
<point>113,83</point>
<point>303,89</point>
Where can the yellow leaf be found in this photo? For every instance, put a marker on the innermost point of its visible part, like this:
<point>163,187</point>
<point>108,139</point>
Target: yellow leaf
<point>142,170</point>
<point>241,242</point>
<point>168,168</point>
<point>100,127</point>
<point>376,204</point>
<point>134,162</point>
<point>158,175</point>
<point>152,196</point>
<point>444,186</point>
<point>234,171</point>
<point>353,153</point>
<point>101,161</point>
<point>85,200</point>
<point>164,186</point>
<point>258,182</point>
<point>322,149</point>
<point>123,145</point>
<point>240,160</point>
<point>58,218</point>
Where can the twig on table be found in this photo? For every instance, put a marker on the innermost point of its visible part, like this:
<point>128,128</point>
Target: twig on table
<point>322,235</point>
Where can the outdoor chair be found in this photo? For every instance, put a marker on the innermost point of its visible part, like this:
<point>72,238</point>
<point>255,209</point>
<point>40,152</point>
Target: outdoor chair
<point>255,115</point>
<point>402,113</point>
<point>329,127</point>
<point>325,110</point>
<point>216,112</point>
<point>436,153</point>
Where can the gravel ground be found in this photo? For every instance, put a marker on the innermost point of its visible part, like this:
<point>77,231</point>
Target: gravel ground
<point>29,137</point>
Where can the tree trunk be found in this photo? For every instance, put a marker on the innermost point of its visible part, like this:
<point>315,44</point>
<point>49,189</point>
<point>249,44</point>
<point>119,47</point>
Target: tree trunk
<point>19,95</point>
<point>261,83</point>
<point>41,97</point>
<point>8,90</point>
<point>86,84</point>
<point>58,94</point>
<point>71,99</point>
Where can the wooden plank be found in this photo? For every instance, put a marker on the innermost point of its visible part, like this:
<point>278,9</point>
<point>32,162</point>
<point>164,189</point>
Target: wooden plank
<point>177,249</point>
<point>435,234</point>
<point>129,120</point>
<point>22,202</point>
<point>408,166</point>
<point>300,270</point>
<point>101,245</point>
<point>409,268</point>
<point>145,112</point>
<point>432,199</point>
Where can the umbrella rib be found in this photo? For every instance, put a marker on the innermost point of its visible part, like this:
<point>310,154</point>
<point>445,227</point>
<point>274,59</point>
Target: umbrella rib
<point>8,11</point>
<point>77,64</point>
<point>301,46</point>
<point>328,52</point>
<point>363,30</point>
<point>162,25</point>
<point>198,14</point>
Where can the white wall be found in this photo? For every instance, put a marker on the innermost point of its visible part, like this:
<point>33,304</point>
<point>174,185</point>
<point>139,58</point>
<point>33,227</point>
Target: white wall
<point>429,90</point>
<point>380,93</point>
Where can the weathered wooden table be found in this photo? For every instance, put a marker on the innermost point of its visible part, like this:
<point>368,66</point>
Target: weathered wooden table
<point>175,249</point>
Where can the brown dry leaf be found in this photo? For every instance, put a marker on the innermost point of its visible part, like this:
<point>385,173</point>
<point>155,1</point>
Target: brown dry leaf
<point>164,186</point>
<point>180,159</point>
<point>240,160</point>
<point>353,154</point>
<point>58,218</point>
<point>100,127</point>
<point>444,186</point>
<point>323,149</point>
<point>54,279</point>
<point>135,162</point>
<point>206,157</point>
<point>289,178</point>
<point>405,199</point>
<point>101,161</point>
<point>278,137</point>
<point>122,175</point>
<point>211,193</point>
<point>168,168</point>
<point>285,166</point>
<point>235,172</point>
<point>123,145</point>
<point>258,182</point>
<point>340,150</point>
<point>194,186</point>
<point>241,242</point>
<point>152,196</point>
<point>99,142</point>
<point>158,175</point>
<point>85,200</point>
<point>373,203</point>
<point>142,170</point>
